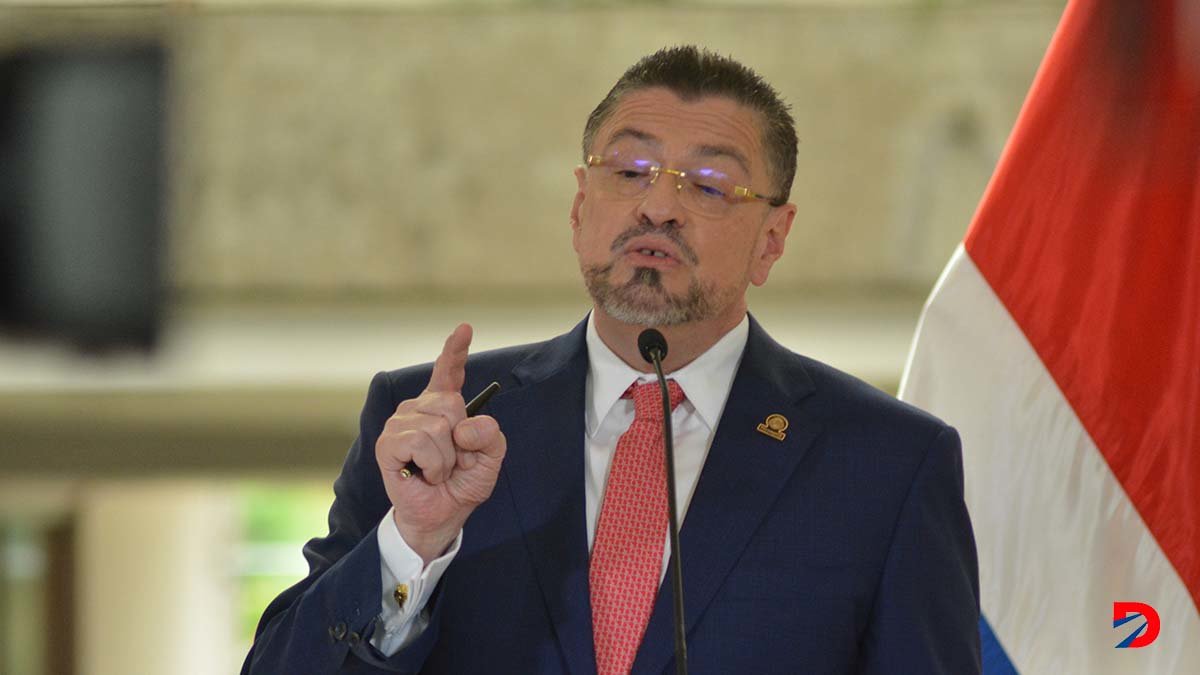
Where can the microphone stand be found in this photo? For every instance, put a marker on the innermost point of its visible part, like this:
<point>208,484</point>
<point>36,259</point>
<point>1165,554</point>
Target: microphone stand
<point>653,347</point>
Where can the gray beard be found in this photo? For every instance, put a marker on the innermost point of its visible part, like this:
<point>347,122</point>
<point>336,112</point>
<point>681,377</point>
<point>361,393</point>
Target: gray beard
<point>643,301</point>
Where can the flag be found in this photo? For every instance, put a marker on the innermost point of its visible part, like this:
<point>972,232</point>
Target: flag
<point>1063,341</point>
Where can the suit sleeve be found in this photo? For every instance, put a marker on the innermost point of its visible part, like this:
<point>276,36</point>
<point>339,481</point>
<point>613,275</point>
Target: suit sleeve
<point>925,617</point>
<point>324,623</point>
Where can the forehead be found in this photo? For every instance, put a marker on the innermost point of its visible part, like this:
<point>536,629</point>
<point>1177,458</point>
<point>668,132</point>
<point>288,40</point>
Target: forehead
<point>685,128</point>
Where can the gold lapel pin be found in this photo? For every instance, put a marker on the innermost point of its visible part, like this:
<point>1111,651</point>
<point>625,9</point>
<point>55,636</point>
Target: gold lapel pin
<point>774,426</point>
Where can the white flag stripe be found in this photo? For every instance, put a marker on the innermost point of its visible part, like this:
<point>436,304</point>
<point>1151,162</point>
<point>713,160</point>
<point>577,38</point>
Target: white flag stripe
<point>1059,540</point>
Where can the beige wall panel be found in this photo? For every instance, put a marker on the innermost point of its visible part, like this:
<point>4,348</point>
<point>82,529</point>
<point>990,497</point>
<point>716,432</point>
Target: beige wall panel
<point>396,152</point>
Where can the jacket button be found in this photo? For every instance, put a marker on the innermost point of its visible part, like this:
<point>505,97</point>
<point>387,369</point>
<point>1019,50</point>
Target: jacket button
<point>354,639</point>
<point>337,632</point>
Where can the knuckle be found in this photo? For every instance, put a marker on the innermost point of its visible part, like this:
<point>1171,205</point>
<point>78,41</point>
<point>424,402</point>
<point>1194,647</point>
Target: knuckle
<point>487,430</point>
<point>401,440</point>
<point>410,438</point>
<point>487,424</point>
<point>466,435</point>
<point>445,404</point>
<point>448,401</point>
<point>438,426</point>
<point>395,445</point>
<point>434,469</point>
<point>397,428</point>
<point>386,439</point>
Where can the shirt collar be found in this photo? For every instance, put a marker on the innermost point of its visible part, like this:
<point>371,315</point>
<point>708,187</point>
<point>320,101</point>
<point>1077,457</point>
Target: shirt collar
<point>705,381</point>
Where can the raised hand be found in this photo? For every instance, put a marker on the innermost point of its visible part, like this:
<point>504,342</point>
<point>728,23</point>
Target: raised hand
<point>459,456</point>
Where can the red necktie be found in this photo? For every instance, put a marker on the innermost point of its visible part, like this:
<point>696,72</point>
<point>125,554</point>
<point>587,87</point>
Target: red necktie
<point>626,564</point>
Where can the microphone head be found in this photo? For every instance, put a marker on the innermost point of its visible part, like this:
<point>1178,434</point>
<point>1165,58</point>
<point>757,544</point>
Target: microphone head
<point>651,341</point>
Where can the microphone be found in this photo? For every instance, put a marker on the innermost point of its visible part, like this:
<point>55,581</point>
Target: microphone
<point>653,347</point>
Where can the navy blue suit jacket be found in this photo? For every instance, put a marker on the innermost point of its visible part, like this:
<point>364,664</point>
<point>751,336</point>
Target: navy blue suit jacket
<point>844,548</point>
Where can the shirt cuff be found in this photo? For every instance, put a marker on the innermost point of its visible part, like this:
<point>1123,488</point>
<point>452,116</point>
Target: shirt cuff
<point>407,586</point>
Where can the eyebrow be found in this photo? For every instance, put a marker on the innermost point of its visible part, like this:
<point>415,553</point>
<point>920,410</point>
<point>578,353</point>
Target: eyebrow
<point>637,134</point>
<point>703,151</point>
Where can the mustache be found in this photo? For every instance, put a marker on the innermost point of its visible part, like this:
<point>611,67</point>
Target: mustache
<point>646,227</point>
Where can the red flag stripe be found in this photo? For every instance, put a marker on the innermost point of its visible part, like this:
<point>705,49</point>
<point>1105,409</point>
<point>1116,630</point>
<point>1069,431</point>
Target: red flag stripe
<point>1090,235</point>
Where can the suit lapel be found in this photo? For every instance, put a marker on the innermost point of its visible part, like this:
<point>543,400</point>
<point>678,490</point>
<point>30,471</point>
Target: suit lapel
<point>545,475</point>
<point>742,477</point>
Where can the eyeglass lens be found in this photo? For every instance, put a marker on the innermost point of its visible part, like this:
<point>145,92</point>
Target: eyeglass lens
<point>706,191</point>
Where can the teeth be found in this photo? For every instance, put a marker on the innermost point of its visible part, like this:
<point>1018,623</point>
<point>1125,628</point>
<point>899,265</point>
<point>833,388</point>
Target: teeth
<point>656,254</point>
<point>659,254</point>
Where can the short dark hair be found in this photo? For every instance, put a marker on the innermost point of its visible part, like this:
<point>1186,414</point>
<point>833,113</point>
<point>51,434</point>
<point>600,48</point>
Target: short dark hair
<point>691,72</point>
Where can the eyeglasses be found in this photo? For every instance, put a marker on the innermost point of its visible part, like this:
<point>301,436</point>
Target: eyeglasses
<point>707,192</point>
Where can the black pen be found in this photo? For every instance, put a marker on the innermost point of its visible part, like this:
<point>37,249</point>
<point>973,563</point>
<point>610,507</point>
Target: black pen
<point>473,407</point>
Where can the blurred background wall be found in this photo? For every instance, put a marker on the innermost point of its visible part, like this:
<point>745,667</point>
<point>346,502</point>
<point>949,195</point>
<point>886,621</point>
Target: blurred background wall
<point>350,179</point>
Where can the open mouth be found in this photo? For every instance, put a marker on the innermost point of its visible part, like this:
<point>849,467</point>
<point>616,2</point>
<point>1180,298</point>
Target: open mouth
<point>648,256</point>
<point>656,246</point>
<point>652,250</point>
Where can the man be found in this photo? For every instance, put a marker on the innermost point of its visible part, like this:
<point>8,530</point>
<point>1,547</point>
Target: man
<point>824,529</point>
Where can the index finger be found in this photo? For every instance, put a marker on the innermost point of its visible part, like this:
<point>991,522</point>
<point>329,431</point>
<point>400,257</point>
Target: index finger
<point>449,370</point>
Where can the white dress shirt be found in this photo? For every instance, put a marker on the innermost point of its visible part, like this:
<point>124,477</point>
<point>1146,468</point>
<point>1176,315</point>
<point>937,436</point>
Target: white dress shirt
<point>705,382</point>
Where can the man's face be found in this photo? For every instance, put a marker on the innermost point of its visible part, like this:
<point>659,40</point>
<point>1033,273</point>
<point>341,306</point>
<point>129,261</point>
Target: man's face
<point>650,260</point>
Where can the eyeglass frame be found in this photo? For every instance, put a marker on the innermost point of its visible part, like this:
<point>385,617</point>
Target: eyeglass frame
<point>743,193</point>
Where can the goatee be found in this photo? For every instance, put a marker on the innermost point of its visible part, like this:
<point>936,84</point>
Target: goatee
<point>643,300</point>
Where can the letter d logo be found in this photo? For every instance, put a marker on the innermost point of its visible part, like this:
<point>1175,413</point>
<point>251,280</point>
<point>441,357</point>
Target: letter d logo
<point>1124,612</point>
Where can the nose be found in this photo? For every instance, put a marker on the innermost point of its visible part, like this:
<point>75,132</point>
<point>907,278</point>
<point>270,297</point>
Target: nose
<point>660,205</point>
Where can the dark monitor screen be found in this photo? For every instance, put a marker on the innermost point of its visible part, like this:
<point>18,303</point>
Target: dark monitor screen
<point>82,182</point>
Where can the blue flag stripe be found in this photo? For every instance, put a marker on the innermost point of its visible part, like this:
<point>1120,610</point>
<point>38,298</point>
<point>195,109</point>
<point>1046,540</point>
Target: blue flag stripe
<point>995,661</point>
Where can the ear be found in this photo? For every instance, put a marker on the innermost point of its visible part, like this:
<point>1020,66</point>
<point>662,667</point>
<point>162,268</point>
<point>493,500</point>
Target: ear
<point>580,181</point>
<point>771,241</point>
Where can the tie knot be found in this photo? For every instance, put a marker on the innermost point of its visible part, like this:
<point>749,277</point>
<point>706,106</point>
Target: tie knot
<point>647,399</point>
